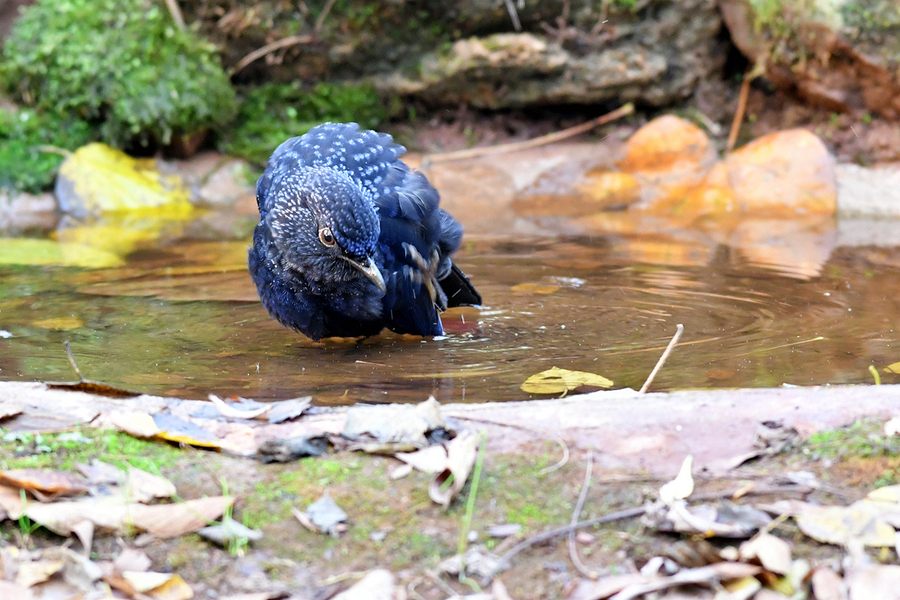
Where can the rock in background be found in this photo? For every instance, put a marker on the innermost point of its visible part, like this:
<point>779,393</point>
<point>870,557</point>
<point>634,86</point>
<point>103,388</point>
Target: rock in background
<point>841,55</point>
<point>486,53</point>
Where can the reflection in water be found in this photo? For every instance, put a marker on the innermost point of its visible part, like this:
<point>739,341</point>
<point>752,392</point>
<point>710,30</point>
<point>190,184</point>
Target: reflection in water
<point>181,318</point>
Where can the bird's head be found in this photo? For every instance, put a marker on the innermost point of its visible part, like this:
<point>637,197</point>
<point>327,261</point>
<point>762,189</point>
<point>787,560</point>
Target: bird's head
<point>325,227</point>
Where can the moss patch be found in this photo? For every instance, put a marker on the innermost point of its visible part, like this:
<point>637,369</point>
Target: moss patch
<point>26,162</point>
<point>272,113</point>
<point>123,65</point>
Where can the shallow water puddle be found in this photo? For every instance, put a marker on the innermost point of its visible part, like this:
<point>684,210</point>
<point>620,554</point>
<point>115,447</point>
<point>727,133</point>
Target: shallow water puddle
<point>179,316</point>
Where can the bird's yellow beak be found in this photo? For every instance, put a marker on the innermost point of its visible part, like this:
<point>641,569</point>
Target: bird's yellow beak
<point>370,270</point>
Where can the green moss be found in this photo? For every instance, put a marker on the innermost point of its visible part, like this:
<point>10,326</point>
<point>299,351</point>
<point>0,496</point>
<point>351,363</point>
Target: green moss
<point>25,162</point>
<point>63,450</point>
<point>272,113</point>
<point>862,439</point>
<point>120,64</point>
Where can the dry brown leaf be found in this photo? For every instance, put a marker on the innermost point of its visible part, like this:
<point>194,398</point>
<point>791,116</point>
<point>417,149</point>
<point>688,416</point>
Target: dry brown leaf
<point>144,486</point>
<point>64,517</point>
<point>133,423</point>
<point>173,520</point>
<point>773,553</point>
<point>376,585</point>
<point>84,531</point>
<point>840,524</point>
<point>233,413</point>
<point>46,481</point>
<point>33,572</point>
<point>605,586</point>
<point>461,454</point>
<point>132,559</point>
<point>432,459</point>
<point>828,585</point>
<point>11,501</point>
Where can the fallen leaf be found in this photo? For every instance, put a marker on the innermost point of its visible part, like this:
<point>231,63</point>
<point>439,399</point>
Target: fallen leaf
<point>46,481</point>
<point>893,368</point>
<point>132,559</point>
<point>394,423</point>
<point>174,429</point>
<point>143,486</point>
<point>33,572</point>
<point>325,514</point>
<point>560,381</point>
<point>174,520</point>
<point>432,459</point>
<point>840,524</point>
<point>376,585</point>
<point>742,589</point>
<point>828,585</point>
<point>97,178</point>
<point>94,387</point>
<point>536,288</point>
<point>461,454</point>
<point>773,553</point>
<point>682,486</point>
<point>137,424</point>
<point>286,410</point>
<point>35,252</point>
<point>59,323</point>
<point>229,411</point>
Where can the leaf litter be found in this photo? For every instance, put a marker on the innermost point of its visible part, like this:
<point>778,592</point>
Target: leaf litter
<point>763,565</point>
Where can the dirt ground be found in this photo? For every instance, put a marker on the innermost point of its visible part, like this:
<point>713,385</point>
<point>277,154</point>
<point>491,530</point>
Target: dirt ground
<point>635,443</point>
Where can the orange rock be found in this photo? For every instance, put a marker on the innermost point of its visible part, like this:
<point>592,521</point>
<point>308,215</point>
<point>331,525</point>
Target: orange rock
<point>714,196</point>
<point>609,189</point>
<point>786,173</point>
<point>667,142</point>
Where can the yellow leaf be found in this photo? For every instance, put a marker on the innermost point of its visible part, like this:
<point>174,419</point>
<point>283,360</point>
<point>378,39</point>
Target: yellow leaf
<point>29,251</point>
<point>97,178</point>
<point>892,368</point>
<point>560,381</point>
<point>60,323</point>
<point>535,288</point>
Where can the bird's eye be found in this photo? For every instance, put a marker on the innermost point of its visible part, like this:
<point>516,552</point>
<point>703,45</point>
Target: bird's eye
<point>326,237</point>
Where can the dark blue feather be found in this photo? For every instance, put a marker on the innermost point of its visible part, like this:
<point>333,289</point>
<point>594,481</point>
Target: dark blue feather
<point>349,187</point>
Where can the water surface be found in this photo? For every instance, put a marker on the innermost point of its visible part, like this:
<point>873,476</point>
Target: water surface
<point>179,318</point>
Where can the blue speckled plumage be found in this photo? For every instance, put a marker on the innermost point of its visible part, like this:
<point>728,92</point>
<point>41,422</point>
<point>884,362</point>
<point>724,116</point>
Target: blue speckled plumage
<point>350,240</point>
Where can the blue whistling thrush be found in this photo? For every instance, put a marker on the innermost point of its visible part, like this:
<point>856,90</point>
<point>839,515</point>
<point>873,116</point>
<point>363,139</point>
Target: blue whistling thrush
<point>351,241</point>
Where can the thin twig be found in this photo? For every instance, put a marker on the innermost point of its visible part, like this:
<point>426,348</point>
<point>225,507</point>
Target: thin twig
<point>628,513</point>
<point>72,360</point>
<point>556,438</point>
<point>679,329</point>
<point>742,106</point>
<point>292,40</point>
<point>543,140</point>
<point>321,18</point>
<point>175,11</point>
<point>511,9</point>
<point>573,550</point>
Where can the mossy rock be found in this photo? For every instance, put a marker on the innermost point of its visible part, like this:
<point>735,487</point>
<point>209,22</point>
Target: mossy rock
<point>122,65</point>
